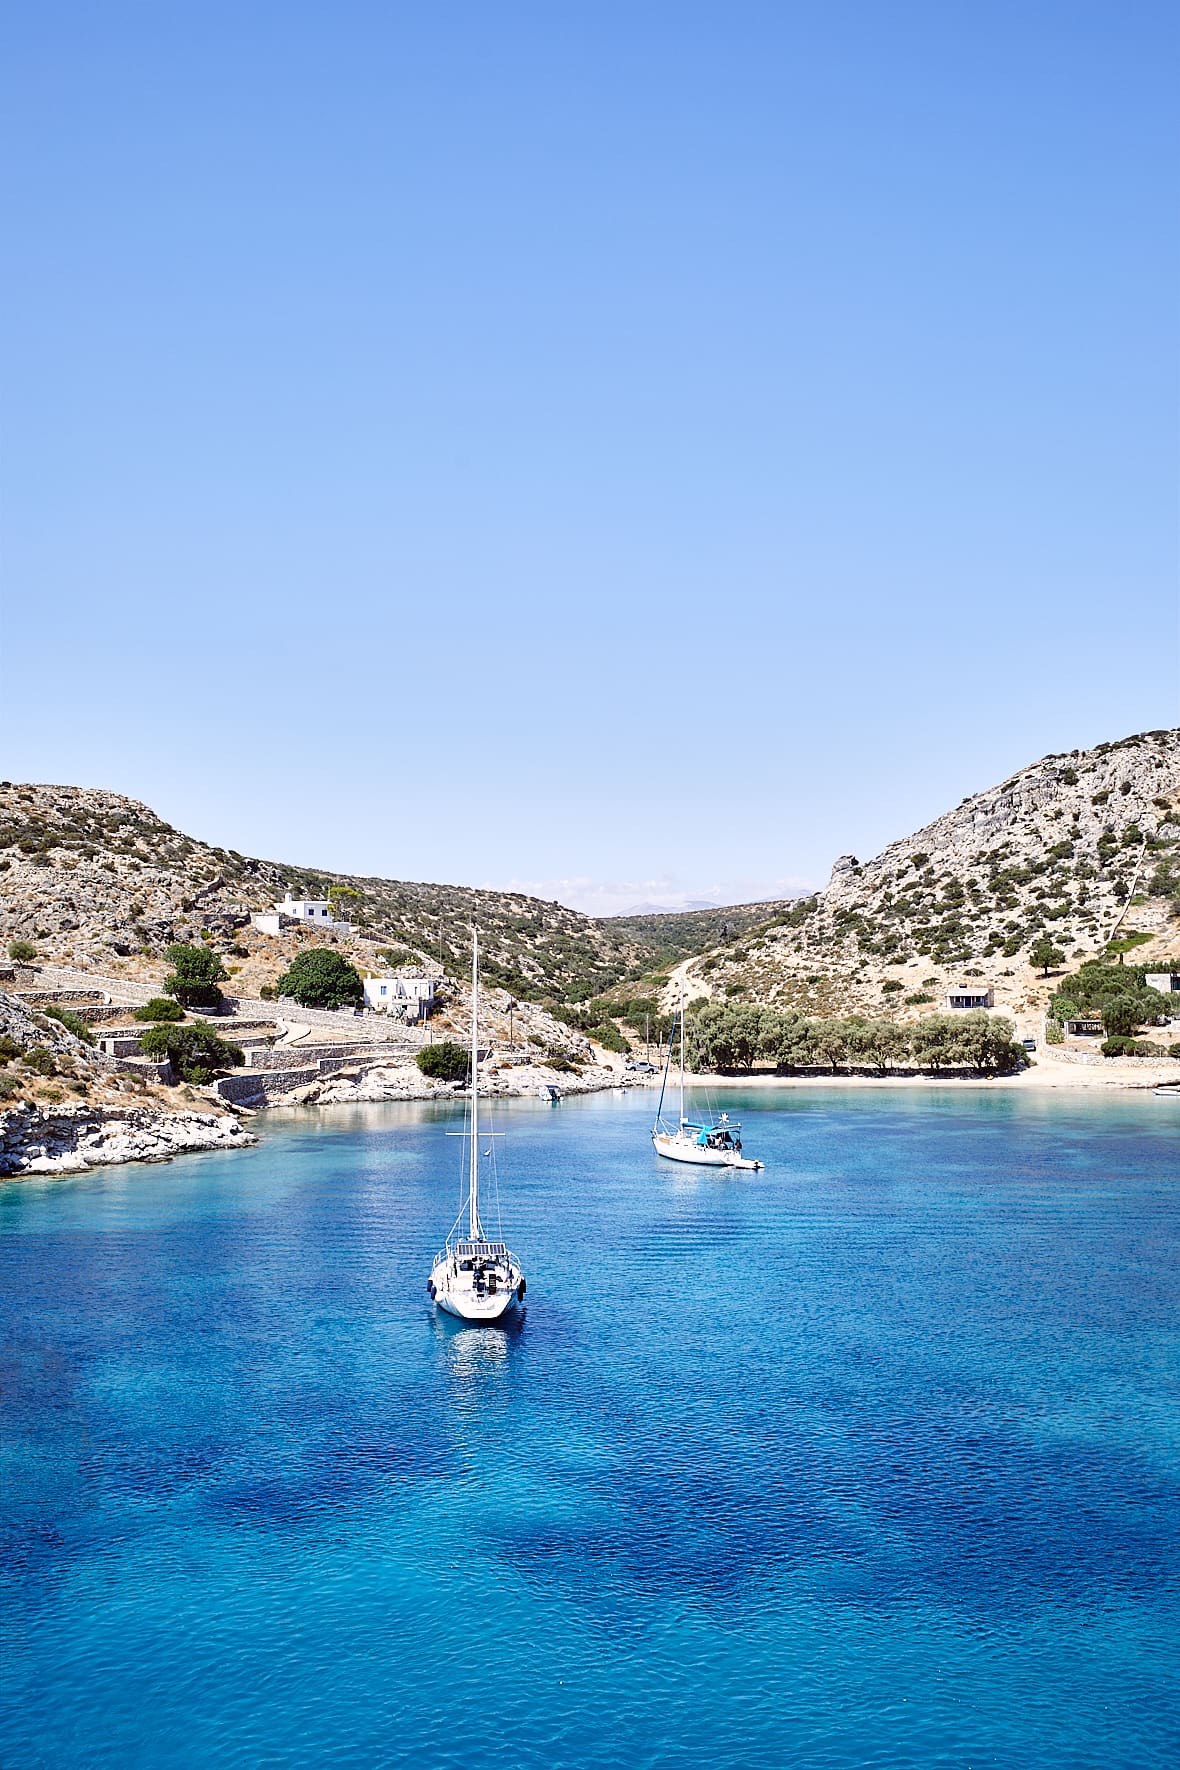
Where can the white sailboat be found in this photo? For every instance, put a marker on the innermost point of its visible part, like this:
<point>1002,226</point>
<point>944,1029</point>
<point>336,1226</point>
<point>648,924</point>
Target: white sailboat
<point>715,1142</point>
<point>473,1277</point>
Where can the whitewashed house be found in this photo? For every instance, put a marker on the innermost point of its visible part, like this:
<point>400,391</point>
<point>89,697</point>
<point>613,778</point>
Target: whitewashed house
<point>307,912</point>
<point>306,909</point>
<point>1166,982</point>
<point>404,997</point>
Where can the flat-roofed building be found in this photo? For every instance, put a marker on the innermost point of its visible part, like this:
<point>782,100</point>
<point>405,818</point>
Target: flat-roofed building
<point>971,995</point>
<point>403,995</point>
<point>305,912</point>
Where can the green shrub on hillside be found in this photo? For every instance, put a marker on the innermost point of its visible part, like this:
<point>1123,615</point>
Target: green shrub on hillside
<point>196,1052</point>
<point>8,1048</point>
<point>447,1062</point>
<point>23,951</point>
<point>72,1022</point>
<point>1119,1046</point>
<point>321,978</point>
<point>9,1087</point>
<point>160,1008</point>
<point>196,972</point>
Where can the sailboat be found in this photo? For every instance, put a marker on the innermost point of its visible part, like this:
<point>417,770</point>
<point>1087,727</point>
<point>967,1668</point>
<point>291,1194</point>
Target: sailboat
<point>473,1277</point>
<point>715,1142</point>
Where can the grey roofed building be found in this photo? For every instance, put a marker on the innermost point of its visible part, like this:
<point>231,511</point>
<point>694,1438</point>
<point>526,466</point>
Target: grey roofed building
<point>975,995</point>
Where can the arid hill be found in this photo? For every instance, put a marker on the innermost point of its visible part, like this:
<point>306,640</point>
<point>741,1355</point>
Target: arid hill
<point>1082,847</point>
<point>90,875</point>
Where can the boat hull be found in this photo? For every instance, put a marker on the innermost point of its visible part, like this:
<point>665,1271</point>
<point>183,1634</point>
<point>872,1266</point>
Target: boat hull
<point>472,1310</point>
<point>455,1292</point>
<point>687,1149</point>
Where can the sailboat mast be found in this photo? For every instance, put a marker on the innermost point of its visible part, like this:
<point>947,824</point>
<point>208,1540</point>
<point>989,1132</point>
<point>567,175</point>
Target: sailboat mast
<point>474,1188</point>
<point>682,1048</point>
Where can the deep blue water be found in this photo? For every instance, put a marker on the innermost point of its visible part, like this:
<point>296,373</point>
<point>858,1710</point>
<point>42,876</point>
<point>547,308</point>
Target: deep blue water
<point>870,1459</point>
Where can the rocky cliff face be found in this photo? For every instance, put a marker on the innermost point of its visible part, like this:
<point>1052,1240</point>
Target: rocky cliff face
<point>1080,847</point>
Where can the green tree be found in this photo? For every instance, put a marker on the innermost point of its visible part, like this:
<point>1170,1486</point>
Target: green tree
<point>196,972</point>
<point>23,951</point>
<point>196,1052</point>
<point>447,1062</point>
<point>985,1042</point>
<point>890,1044</point>
<point>338,896</point>
<point>1120,1016</point>
<point>1044,954</point>
<point>321,978</point>
<point>933,1040</point>
<point>829,1042</point>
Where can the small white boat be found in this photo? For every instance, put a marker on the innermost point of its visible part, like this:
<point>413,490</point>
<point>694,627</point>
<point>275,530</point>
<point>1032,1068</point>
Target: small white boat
<point>473,1277</point>
<point>714,1142</point>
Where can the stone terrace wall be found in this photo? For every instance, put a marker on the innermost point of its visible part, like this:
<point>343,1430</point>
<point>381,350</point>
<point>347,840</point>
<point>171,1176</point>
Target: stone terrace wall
<point>298,1056</point>
<point>246,1085</point>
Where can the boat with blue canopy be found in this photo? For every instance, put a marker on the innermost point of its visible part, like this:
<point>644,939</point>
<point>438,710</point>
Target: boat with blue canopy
<point>712,1142</point>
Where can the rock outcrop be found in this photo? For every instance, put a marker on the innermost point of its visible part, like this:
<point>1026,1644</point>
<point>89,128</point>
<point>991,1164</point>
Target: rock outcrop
<point>69,1139</point>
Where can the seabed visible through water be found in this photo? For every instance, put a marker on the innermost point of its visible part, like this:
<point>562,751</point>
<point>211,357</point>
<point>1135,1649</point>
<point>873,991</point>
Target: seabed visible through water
<point>870,1458</point>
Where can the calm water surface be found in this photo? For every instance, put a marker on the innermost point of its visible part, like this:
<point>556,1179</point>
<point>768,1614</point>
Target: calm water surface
<point>869,1459</point>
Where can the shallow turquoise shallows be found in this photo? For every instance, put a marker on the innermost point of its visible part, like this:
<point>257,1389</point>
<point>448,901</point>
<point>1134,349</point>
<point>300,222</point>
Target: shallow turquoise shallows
<point>869,1459</point>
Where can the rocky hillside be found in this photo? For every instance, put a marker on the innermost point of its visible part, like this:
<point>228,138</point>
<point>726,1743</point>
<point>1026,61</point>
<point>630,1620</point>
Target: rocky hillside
<point>668,936</point>
<point>89,875</point>
<point>1082,847</point>
<point>64,1107</point>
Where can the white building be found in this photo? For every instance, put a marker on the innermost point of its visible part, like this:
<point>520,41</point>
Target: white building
<point>308,912</point>
<point>1167,982</point>
<point>306,909</point>
<point>406,998</point>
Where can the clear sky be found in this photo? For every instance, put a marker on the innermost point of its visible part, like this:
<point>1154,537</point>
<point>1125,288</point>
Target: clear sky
<point>635,452</point>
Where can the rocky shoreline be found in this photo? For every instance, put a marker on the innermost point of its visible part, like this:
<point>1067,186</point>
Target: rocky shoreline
<point>71,1139</point>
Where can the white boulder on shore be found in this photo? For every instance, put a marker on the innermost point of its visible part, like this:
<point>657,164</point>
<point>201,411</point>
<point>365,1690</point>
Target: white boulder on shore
<point>70,1139</point>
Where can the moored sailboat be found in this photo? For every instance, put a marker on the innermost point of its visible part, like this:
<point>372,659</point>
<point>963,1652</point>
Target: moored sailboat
<point>712,1142</point>
<point>474,1277</point>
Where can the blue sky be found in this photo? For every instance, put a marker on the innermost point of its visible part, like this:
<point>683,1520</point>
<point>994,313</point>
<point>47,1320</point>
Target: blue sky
<point>632,452</point>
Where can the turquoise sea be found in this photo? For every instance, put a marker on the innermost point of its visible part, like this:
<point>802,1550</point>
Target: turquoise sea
<point>870,1459</point>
